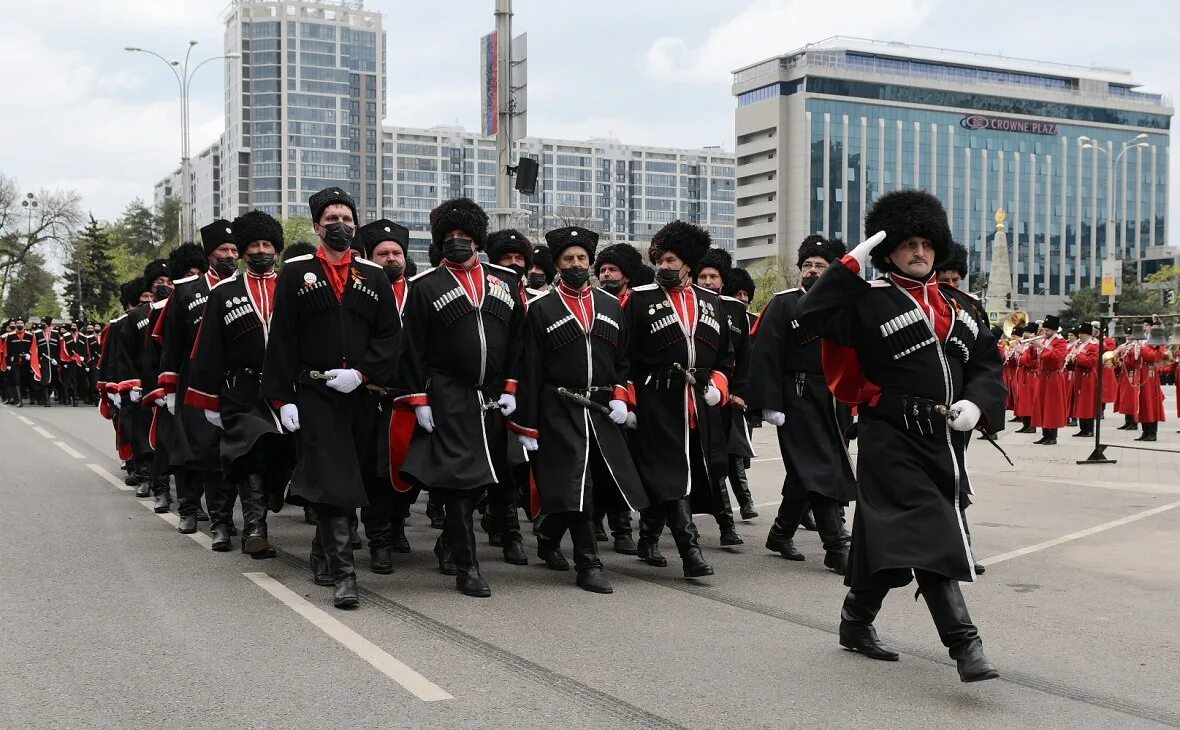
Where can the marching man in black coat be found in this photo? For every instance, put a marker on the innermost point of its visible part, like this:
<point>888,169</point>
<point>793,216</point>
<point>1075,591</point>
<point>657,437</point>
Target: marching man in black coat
<point>459,354</point>
<point>335,328</point>
<point>740,286</point>
<point>681,362</point>
<point>573,401</point>
<point>788,387</point>
<point>925,371</point>
<point>222,380</point>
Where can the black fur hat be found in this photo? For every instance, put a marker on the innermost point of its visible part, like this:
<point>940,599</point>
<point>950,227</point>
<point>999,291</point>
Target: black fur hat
<point>509,240</point>
<point>543,260</point>
<point>957,261</point>
<point>380,231</point>
<point>411,269</point>
<point>185,257</point>
<point>813,245</point>
<point>434,254</point>
<point>644,275</point>
<point>562,238</point>
<point>687,241</point>
<point>716,258</point>
<point>215,234</point>
<point>326,197</point>
<point>299,248</point>
<point>459,214</point>
<point>154,270</point>
<point>255,225</point>
<point>739,280</point>
<point>130,291</point>
<point>903,214</point>
<point>623,255</point>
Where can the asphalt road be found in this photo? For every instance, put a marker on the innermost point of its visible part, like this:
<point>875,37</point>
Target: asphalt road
<point>111,618</point>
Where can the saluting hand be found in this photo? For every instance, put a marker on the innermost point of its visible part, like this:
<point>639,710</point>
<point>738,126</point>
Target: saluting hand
<point>865,248</point>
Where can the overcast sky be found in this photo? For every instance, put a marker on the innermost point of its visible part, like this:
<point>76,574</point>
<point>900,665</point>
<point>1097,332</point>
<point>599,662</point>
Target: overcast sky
<point>81,113</point>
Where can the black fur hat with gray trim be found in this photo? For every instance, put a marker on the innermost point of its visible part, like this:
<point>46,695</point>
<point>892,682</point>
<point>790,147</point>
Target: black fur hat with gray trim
<point>817,245</point>
<point>373,234</point>
<point>624,256</point>
<point>509,240</point>
<point>560,239</point>
<point>186,257</point>
<point>543,260</point>
<point>130,292</point>
<point>254,226</point>
<point>904,214</point>
<point>716,258</point>
<point>687,241</point>
<point>154,270</point>
<point>319,202</point>
<point>739,280</point>
<point>461,214</point>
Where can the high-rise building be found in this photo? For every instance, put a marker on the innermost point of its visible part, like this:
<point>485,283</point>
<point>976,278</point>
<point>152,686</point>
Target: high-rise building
<point>204,186</point>
<point>626,192</point>
<point>1077,156</point>
<point>304,106</point>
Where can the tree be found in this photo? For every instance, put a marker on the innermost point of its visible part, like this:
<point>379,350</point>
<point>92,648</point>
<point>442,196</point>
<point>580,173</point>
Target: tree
<point>297,228</point>
<point>770,277</point>
<point>25,230</point>
<point>167,221</point>
<point>91,265</point>
<point>1084,305</point>
<point>138,231</point>
<point>1164,275</point>
<point>31,293</point>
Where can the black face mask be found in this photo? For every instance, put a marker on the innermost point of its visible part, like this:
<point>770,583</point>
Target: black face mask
<point>518,269</point>
<point>612,287</point>
<point>338,236</point>
<point>537,279</point>
<point>808,281</point>
<point>575,277</point>
<point>161,291</point>
<point>668,278</point>
<point>224,267</point>
<point>260,263</point>
<point>457,250</point>
<point>393,272</point>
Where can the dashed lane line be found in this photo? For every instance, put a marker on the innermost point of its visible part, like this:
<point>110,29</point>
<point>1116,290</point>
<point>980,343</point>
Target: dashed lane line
<point>198,537</point>
<point>108,477</point>
<point>381,660</point>
<point>70,451</point>
<point>43,432</point>
<point>24,420</point>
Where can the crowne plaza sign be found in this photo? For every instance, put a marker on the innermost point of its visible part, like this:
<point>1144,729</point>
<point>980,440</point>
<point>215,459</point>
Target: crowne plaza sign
<point>1008,124</point>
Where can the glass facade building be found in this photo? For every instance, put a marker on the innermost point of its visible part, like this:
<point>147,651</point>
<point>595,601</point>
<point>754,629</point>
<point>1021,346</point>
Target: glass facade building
<point>625,192</point>
<point>304,107</point>
<point>1076,157</point>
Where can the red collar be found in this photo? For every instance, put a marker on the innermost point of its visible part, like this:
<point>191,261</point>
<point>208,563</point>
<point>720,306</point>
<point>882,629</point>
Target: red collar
<point>913,285</point>
<point>573,293</point>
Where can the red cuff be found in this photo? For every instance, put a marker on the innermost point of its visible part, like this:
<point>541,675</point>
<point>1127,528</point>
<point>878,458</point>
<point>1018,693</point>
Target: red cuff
<point>632,398</point>
<point>522,430</point>
<point>169,381</point>
<point>851,263</point>
<point>510,386</point>
<point>277,405</point>
<point>152,397</point>
<point>202,400</point>
<point>620,393</point>
<point>126,386</point>
<point>722,383</point>
<point>413,400</point>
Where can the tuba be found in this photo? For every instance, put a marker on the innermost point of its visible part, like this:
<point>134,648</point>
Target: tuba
<point>1019,318</point>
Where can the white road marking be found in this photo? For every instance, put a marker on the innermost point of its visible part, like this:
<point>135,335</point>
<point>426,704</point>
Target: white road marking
<point>381,660</point>
<point>109,477</point>
<point>198,537</point>
<point>68,449</point>
<point>43,432</point>
<point>26,421</point>
<point>1077,535</point>
<point>768,458</point>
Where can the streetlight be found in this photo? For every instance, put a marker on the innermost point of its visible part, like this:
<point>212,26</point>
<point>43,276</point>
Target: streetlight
<point>29,203</point>
<point>1138,140</point>
<point>184,79</point>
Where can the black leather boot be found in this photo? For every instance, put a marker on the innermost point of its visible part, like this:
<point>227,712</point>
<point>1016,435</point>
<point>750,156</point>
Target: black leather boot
<point>435,511</point>
<point>309,515</point>
<point>958,634</point>
<point>401,543</point>
<point>599,530</point>
<point>1048,437</point>
<point>381,559</point>
<point>781,539</point>
<point>685,533</point>
<point>591,576</point>
<point>807,520</point>
<point>336,537</point>
<point>549,542</point>
<point>162,491</point>
<point>446,561</point>
<point>856,624</point>
<point>729,533</point>
<point>620,529</point>
<point>1128,424</point>
<point>460,532</point>
<point>188,516</point>
<point>253,494</point>
<point>1027,427</point>
<point>320,575</point>
<point>505,506</point>
<point>741,486</point>
<point>831,531</point>
<point>651,524</point>
<point>354,536</point>
<point>1149,432</point>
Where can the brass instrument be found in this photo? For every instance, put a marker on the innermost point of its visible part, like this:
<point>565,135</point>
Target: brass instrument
<point>1019,318</point>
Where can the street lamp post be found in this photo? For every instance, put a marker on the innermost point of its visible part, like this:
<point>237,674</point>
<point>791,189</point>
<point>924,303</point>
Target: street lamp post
<point>29,203</point>
<point>184,78</point>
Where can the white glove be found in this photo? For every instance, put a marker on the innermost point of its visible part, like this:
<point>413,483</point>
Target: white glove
<point>114,399</point>
<point>618,412</point>
<point>135,395</point>
<point>968,415</point>
<point>712,395</point>
<point>863,249</point>
<point>632,421</point>
<point>52,361</point>
<point>343,381</point>
<point>170,402</point>
<point>507,404</point>
<point>289,416</point>
<point>774,418</point>
<point>425,418</point>
<point>214,417</point>
<point>528,442</point>
<point>28,356</point>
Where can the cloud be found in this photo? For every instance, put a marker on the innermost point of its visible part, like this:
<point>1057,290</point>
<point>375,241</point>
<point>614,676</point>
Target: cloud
<point>766,28</point>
